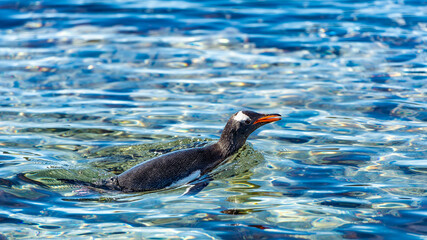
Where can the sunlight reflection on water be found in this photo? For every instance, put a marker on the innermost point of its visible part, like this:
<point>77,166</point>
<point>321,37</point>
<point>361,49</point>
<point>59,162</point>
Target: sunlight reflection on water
<point>347,160</point>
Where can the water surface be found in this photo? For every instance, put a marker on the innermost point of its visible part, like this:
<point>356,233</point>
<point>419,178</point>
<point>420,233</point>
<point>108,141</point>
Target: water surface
<point>348,161</point>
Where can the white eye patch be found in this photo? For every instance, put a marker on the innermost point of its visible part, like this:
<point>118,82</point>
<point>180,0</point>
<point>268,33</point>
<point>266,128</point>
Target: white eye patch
<point>240,117</point>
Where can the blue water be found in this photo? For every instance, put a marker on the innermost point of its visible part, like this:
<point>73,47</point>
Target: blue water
<point>348,161</point>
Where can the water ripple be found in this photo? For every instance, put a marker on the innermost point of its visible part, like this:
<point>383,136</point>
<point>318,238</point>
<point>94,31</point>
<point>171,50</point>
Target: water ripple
<point>347,160</point>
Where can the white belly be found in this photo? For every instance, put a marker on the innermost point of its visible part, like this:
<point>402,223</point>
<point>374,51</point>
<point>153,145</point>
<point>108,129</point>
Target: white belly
<point>185,180</point>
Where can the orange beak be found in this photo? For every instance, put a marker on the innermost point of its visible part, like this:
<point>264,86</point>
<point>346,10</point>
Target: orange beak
<point>268,119</point>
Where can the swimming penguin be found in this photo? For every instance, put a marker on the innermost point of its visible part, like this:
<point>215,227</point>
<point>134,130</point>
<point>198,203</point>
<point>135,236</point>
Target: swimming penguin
<point>185,166</point>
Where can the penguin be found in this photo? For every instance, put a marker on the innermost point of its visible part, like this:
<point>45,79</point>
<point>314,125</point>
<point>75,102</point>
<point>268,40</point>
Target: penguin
<point>189,166</point>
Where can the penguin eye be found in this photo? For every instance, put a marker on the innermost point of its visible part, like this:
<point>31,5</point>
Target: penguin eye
<point>247,121</point>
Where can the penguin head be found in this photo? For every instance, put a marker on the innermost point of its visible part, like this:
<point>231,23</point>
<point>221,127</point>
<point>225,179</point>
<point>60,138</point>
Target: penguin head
<point>242,124</point>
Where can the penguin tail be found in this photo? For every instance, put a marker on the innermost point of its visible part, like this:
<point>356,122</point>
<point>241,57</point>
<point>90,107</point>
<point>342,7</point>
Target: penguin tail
<point>105,184</point>
<point>77,182</point>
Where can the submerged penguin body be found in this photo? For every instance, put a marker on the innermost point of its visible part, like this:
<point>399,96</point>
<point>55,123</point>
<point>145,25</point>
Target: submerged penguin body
<point>168,170</point>
<point>185,166</point>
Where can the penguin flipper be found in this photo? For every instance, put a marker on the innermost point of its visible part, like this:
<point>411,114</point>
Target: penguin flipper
<point>197,187</point>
